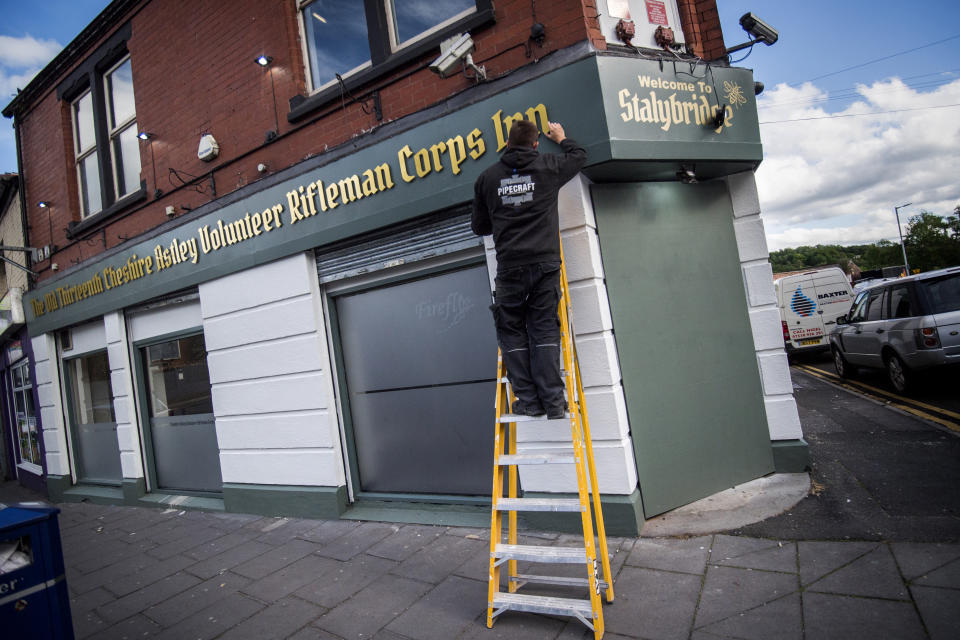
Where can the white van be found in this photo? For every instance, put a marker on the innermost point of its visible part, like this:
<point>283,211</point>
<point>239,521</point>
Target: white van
<point>810,303</point>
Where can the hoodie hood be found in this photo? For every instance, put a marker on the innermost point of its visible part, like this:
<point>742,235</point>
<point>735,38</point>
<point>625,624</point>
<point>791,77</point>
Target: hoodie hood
<point>519,157</point>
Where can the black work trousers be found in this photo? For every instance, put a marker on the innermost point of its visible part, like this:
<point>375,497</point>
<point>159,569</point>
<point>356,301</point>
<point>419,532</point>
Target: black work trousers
<point>528,331</point>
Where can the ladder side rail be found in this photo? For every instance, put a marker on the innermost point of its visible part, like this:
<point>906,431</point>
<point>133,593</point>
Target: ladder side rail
<point>496,516</point>
<point>597,507</point>
<point>588,439</point>
<point>579,451</point>
<point>512,491</point>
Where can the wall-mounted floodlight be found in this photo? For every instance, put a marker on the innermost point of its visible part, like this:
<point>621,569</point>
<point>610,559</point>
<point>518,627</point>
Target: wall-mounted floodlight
<point>263,60</point>
<point>453,52</point>
<point>687,174</point>
<point>43,204</point>
<point>760,30</point>
<point>143,135</point>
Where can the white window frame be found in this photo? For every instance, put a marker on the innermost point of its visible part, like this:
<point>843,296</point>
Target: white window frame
<point>395,45</point>
<point>26,387</point>
<point>106,156</point>
<point>386,6</point>
<point>115,132</point>
<point>81,154</point>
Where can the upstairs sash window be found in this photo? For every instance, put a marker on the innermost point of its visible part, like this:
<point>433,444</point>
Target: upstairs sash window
<point>349,37</point>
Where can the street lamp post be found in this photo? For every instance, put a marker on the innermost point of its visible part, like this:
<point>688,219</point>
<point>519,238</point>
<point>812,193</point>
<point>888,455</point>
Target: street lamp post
<point>896,212</point>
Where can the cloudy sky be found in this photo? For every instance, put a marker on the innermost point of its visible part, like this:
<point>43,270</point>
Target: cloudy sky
<point>861,113</point>
<point>861,110</point>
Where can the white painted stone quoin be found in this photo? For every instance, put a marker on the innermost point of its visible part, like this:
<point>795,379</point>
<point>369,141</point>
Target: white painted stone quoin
<point>270,373</point>
<point>783,420</point>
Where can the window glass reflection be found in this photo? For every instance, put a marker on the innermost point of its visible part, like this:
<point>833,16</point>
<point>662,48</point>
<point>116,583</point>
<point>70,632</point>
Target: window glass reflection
<point>120,91</point>
<point>83,119</point>
<point>336,39</point>
<point>90,185</point>
<point>126,150</point>
<point>411,18</point>
<point>178,382</point>
<point>91,396</point>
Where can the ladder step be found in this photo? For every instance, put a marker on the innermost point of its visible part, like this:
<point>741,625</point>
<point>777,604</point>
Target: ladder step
<point>537,458</point>
<point>563,374</point>
<point>512,417</point>
<point>562,581</point>
<point>543,604</point>
<point>533,553</point>
<point>538,504</point>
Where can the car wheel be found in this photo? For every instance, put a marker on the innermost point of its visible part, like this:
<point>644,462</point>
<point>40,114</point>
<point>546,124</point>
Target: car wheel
<point>898,373</point>
<point>844,368</point>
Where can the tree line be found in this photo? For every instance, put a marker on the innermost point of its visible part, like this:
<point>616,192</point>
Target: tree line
<point>931,241</point>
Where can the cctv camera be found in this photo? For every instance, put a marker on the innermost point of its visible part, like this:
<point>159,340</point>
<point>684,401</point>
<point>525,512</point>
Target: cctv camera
<point>454,51</point>
<point>758,29</point>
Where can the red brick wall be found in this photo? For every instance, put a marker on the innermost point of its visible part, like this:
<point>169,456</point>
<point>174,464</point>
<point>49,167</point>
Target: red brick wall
<point>194,73</point>
<point>701,28</point>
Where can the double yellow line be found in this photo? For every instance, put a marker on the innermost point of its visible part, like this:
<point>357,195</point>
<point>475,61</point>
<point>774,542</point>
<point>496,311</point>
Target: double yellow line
<point>914,407</point>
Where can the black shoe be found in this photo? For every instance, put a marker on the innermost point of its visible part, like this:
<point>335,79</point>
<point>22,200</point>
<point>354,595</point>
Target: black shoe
<point>524,409</point>
<point>557,413</point>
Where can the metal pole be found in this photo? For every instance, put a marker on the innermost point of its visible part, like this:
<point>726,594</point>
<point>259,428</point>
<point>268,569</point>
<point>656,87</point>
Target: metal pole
<point>896,212</point>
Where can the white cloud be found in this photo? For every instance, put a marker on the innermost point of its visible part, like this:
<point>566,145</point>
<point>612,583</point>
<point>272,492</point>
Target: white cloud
<point>27,51</point>
<point>21,58</point>
<point>818,173</point>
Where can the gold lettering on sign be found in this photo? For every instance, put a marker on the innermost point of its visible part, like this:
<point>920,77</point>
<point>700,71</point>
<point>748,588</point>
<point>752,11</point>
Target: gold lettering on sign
<point>314,197</point>
<point>675,109</point>
<point>502,123</point>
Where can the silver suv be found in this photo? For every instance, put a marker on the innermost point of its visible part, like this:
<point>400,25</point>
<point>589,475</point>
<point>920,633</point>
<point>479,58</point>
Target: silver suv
<point>904,326</point>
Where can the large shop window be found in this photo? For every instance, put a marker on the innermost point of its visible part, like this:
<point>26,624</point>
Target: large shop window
<point>359,42</point>
<point>92,422</point>
<point>419,359</point>
<point>25,415</point>
<point>183,454</point>
<point>108,162</point>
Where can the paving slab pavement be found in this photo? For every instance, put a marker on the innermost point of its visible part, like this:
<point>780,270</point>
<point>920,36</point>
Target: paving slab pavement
<point>420,582</point>
<point>885,564</point>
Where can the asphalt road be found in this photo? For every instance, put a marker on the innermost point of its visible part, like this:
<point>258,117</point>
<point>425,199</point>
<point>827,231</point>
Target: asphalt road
<point>934,396</point>
<point>879,471</point>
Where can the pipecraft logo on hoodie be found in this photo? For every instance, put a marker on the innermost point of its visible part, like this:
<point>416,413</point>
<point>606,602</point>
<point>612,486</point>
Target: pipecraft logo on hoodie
<point>516,190</point>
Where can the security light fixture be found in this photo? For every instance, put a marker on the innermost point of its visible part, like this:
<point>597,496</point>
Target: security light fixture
<point>758,29</point>
<point>263,60</point>
<point>538,33</point>
<point>455,51</point>
<point>687,174</point>
<point>143,135</point>
<point>43,204</point>
<point>720,117</point>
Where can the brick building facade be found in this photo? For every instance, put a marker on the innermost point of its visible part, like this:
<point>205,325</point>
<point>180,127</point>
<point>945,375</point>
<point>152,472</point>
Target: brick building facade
<point>248,330</point>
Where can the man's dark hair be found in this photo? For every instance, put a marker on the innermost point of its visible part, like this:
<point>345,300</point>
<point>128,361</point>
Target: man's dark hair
<point>523,133</point>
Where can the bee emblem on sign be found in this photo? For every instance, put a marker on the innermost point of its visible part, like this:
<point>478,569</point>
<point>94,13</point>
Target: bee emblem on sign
<point>734,94</point>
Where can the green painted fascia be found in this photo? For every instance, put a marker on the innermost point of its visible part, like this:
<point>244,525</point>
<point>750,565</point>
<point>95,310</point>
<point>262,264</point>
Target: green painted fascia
<point>791,456</point>
<point>179,501</point>
<point>281,500</point>
<point>57,486</point>
<point>448,515</point>
<point>133,489</point>
<point>97,494</point>
<point>590,112</point>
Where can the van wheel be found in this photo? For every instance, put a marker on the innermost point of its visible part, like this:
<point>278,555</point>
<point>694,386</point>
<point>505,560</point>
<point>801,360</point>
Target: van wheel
<point>844,368</point>
<point>898,373</point>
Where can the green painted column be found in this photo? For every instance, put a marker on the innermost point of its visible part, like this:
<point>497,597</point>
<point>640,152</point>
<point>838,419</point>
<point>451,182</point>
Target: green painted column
<point>682,329</point>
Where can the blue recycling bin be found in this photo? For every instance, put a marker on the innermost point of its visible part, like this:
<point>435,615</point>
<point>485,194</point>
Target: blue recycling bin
<point>34,602</point>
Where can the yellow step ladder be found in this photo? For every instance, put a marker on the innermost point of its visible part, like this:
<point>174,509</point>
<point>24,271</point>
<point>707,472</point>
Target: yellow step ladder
<point>505,499</point>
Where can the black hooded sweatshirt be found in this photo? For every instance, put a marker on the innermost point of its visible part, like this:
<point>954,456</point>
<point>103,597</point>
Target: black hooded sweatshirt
<point>516,201</point>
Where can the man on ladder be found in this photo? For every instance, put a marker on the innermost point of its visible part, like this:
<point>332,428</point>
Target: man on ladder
<point>516,201</point>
